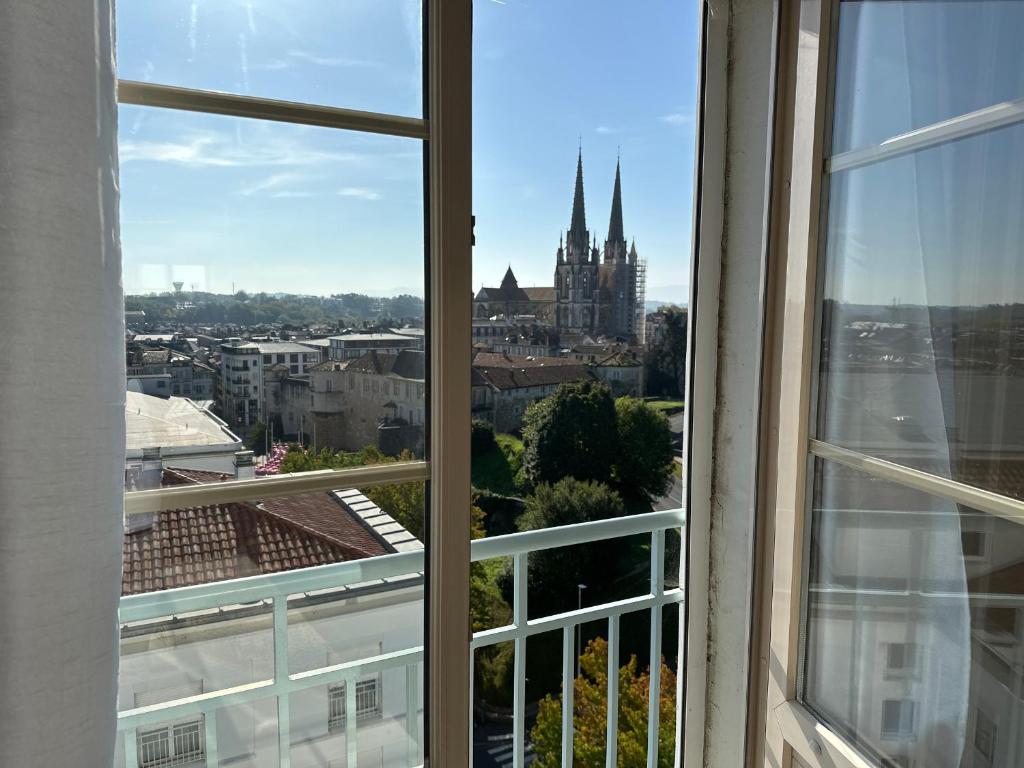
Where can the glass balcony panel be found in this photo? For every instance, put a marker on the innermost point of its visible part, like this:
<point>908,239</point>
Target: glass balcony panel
<point>914,623</point>
<point>923,316</point>
<point>352,54</point>
<point>904,65</point>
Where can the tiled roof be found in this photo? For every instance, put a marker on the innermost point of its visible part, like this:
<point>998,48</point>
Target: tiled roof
<point>540,293</point>
<point>185,476</point>
<point>214,543</point>
<point>181,547</point>
<point>502,360</point>
<point>505,378</point>
<point>322,515</point>
<point>407,364</point>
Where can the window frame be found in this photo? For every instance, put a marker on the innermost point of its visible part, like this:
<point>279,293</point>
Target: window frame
<point>446,132</point>
<point>787,729</point>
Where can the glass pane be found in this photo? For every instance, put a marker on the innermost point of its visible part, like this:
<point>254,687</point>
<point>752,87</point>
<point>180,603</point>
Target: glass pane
<point>274,302</point>
<point>582,186</point>
<point>910,63</point>
<point>912,643</point>
<point>923,316</point>
<point>358,54</point>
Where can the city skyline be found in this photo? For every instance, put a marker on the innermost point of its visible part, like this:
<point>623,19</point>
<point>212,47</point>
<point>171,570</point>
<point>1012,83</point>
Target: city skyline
<point>213,201</point>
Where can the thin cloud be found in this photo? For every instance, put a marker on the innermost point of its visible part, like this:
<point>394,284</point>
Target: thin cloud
<point>332,61</point>
<point>362,193</point>
<point>677,118</point>
<point>273,182</point>
<point>216,150</point>
<point>605,129</point>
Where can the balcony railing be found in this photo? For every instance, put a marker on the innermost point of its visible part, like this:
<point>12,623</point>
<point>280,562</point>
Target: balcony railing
<point>274,589</point>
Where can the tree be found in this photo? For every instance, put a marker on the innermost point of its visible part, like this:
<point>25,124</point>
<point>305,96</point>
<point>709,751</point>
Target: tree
<point>644,461</point>
<point>554,573</point>
<point>590,709</point>
<point>570,434</point>
<point>666,360</point>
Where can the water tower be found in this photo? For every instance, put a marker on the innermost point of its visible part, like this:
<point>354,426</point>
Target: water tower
<point>177,285</point>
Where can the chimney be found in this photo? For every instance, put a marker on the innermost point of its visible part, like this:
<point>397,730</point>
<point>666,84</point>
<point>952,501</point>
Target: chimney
<point>245,467</point>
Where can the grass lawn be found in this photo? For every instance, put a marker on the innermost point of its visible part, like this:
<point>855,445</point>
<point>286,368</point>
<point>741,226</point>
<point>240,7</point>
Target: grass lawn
<point>665,405</point>
<point>495,470</point>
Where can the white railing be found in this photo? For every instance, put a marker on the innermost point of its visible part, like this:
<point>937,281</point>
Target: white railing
<point>276,589</point>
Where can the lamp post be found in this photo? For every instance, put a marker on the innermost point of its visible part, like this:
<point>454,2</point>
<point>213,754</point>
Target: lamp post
<point>579,628</point>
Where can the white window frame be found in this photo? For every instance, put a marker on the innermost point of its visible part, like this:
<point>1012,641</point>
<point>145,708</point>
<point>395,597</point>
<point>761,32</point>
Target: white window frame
<point>785,728</point>
<point>447,130</point>
<point>337,702</point>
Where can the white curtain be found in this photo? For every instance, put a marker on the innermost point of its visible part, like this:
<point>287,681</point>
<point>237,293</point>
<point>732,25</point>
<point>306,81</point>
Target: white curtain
<point>61,384</point>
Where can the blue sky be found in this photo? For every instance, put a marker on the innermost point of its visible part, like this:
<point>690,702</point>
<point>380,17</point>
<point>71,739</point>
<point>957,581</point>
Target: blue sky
<point>221,202</point>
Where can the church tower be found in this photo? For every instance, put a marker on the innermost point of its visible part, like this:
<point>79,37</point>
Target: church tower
<point>577,271</point>
<point>618,272</point>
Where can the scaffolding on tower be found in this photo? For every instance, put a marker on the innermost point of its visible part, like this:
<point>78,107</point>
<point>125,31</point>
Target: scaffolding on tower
<point>639,308</point>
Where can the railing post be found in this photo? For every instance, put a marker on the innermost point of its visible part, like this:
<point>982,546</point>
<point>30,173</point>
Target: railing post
<point>568,691</point>
<point>351,717</point>
<point>612,740</point>
<point>280,678</point>
<point>412,724</point>
<point>131,749</point>
<point>520,567</point>
<point>654,703</point>
<point>210,739</point>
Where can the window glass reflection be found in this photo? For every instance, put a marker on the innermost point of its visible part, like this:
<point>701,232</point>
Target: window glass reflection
<point>922,358</point>
<point>914,645</point>
<point>905,65</point>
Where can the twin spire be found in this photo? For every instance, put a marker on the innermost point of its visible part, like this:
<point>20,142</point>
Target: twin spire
<point>578,227</point>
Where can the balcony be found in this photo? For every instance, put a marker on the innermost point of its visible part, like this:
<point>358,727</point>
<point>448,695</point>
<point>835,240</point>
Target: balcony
<point>278,598</point>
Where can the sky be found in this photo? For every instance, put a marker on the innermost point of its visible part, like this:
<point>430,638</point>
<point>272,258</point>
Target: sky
<point>224,204</point>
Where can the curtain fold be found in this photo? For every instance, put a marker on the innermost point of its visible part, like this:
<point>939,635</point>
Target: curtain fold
<point>61,384</point>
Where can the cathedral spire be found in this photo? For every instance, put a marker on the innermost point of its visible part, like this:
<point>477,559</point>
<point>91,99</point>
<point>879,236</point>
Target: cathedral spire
<point>578,229</point>
<point>615,232</point>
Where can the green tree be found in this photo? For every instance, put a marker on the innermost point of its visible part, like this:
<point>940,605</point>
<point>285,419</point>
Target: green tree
<point>570,434</point>
<point>590,708</point>
<point>257,440</point>
<point>665,362</point>
<point>644,461</point>
<point>554,573</point>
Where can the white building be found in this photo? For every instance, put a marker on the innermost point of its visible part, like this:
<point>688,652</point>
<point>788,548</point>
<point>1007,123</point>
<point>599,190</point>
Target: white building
<point>353,344</point>
<point>246,370</point>
<point>173,431</point>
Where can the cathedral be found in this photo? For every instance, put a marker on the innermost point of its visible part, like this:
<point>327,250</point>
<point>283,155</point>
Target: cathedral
<point>594,294</point>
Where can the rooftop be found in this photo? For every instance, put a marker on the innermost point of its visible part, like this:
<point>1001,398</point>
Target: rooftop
<point>152,422</point>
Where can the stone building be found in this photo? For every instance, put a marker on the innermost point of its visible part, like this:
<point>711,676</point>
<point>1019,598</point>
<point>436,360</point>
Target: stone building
<point>353,400</point>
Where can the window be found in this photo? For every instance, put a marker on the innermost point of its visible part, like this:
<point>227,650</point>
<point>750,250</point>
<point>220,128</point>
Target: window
<point>973,543</point>
<point>368,703</point>
<point>178,744</point>
<point>985,736</point>
<point>901,659</point>
<point>914,501</point>
<point>247,145</point>
<point>898,718</point>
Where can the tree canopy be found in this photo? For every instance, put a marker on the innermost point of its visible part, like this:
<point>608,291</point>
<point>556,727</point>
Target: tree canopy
<point>571,433</point>
<point>644,459</point>
<point>590,711</point>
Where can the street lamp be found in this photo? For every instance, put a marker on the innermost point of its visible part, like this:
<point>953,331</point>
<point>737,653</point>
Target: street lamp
<point>579,628</point>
